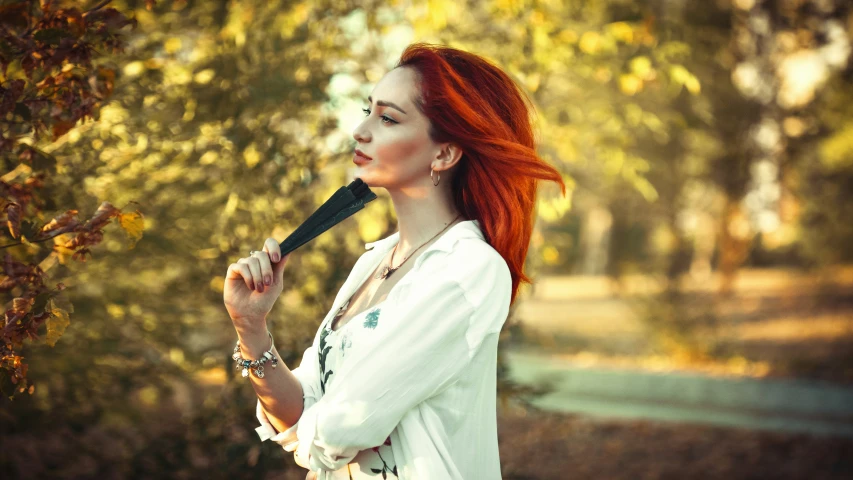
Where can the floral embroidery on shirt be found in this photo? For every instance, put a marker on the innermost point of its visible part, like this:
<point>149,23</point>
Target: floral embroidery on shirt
<point>385,468</point>
<point>372,319</point>
<point>324,351</point>
<point>345,344</point>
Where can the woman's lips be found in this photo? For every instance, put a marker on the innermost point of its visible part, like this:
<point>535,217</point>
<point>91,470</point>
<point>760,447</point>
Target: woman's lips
<point>360,158</point>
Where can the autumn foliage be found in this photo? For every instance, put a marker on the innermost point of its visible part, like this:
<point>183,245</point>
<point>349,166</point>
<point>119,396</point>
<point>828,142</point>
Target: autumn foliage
<point>51,80</point>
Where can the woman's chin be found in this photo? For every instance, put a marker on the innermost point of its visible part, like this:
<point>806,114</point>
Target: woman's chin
<point>364,175</point>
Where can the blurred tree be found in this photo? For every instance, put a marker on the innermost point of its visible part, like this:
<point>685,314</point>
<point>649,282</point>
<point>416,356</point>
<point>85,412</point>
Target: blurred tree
<point>821,174</point>
<point>218,130</point>
<point>51,79</point>
<point>783,55</point>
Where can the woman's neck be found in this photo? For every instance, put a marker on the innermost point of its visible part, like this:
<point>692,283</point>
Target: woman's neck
<point>422,212</point>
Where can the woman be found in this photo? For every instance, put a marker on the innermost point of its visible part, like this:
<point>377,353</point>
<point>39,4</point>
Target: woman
<point>400,379</point>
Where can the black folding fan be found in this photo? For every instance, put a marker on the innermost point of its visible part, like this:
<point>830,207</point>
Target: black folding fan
<point>341,205</point>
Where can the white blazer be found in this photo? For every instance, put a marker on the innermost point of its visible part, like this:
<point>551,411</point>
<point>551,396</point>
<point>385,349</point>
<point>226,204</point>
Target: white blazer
<point>427,377</point>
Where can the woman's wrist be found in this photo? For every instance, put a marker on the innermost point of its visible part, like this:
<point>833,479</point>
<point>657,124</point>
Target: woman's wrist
<point>250,325</point>
<point>253,337</point>
<point>255,365</point>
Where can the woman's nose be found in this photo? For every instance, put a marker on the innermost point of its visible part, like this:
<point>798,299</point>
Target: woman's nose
<point>360,134</point>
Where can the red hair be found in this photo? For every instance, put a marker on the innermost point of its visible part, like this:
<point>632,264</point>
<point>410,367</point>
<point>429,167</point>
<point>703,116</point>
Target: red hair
<point>476,105</point>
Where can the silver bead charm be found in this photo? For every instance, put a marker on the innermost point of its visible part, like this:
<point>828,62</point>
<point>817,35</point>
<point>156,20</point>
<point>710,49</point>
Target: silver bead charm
<point>254,366</point>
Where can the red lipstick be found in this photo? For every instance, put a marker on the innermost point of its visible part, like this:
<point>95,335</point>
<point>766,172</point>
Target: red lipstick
<point>360,158</point>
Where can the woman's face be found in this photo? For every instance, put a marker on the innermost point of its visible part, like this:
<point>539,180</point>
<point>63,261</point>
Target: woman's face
<point>394,135</point>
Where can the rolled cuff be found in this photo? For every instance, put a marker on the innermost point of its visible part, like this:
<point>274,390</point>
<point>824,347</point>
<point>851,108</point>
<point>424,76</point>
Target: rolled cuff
<point>287,439</point>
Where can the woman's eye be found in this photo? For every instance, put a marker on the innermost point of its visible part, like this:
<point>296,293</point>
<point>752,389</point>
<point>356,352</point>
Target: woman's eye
<point>385,118</point>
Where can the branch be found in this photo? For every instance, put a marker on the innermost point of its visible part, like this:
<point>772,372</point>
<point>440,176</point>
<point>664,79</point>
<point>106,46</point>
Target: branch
<point>97,7</point>
<point>32,241</point>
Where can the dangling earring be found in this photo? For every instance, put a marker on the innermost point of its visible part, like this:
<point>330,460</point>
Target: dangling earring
<point>434,182</point>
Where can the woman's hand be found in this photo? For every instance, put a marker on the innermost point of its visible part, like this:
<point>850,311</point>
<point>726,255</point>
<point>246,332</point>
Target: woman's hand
<point>253,284</point>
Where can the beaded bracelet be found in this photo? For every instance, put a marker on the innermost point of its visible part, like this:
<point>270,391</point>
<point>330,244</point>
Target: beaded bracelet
<point>256,366</point>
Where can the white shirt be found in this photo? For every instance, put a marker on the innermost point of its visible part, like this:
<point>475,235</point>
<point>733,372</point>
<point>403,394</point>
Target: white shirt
<point>429,376</point>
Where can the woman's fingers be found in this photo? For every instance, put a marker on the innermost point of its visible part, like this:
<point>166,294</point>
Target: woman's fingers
<point>240,270</point>
<point>257,270</point>
<point>266,267</point>
<point>272,247</point>
<point>254,265</point>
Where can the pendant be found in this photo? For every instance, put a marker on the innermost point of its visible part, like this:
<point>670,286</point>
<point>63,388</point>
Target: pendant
<point>386,272</point>
<point>260,371</point>
<point>245,372</point>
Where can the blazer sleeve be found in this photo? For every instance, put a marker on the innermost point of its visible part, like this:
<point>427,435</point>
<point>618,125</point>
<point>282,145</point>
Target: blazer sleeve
<point>436,331</point>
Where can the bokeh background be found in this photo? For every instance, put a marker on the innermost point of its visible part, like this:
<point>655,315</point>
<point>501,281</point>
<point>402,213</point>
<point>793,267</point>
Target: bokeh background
<point>692,311</point>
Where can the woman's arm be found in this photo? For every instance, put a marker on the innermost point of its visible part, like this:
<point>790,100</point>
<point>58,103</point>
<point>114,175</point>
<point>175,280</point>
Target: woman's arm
<point>252,286</point>
<point>280,391</point>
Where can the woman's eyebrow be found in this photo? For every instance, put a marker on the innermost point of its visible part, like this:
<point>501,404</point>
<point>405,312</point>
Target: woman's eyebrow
<point>383,103</point>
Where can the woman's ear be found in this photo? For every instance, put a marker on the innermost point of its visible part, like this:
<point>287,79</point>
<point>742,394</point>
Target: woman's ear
<point>448,156</point>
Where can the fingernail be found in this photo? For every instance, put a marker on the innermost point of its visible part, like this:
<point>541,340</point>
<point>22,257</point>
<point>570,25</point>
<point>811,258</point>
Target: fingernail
<point>260,287</point>
<point>267,280</point>
<point>275,257</point>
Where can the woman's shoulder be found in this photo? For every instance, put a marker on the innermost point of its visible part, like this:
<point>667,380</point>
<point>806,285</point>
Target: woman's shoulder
<point>474,253</point>
<point>473,265</point>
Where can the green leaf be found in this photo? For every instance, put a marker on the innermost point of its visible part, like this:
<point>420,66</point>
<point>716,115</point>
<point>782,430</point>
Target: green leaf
<point>23,111</point>
<point>29,230</point>
<point>41,302</point>
<point>43,161</point>
<point>51,35</point>
<point>56,324</point>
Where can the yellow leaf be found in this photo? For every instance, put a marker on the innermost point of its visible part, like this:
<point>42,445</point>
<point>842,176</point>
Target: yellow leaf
<point>172,45</point>
<point>621,31</point>
<point>63,254</point>
<point>49,261</point>
<point>590,42</point>
<point>205,76</point>
<point>251,156</point>
<point>641,66</point>
<point>568,37</point>
<point>630,84</point>
<point>56,323</point>
<point>550,255</point>
<point>678,74</point>
<point>217,284</point>
<point>134,69</point>
<point>553,209</point>
<point>692,85</point>
<point>133,223</point>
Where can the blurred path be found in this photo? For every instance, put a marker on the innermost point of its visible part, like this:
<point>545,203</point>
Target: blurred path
<point>583,312</point>
<point>788,405</point>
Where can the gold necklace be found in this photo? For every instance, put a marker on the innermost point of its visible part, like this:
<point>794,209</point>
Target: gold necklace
<point>388,270</point>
